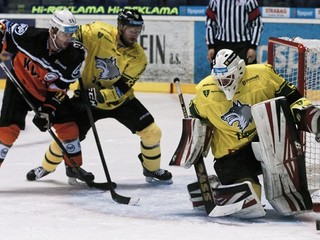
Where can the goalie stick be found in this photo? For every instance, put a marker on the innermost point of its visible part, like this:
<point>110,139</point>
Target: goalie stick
<point>91,184</point>
<point>115,196</point>
<point>199,165</point>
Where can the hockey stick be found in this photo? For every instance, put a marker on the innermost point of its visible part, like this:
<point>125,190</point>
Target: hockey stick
<point>115,196</point>
<point>181,99</point>
<point>199,165</point>
<point>100,186</point>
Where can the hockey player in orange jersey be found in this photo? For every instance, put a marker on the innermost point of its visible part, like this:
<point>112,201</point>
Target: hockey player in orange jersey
<point>45,62</point>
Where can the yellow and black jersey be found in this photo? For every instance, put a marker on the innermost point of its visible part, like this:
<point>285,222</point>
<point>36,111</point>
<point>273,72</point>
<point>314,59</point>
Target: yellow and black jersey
<point>106,63</point>
<point>39,71</point>
<point>232,120</point>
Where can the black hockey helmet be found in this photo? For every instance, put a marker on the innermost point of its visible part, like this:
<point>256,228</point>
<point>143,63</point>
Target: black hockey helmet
<point>130,17</point>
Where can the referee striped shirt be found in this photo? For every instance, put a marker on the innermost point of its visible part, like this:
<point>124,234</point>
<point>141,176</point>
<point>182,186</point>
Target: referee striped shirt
<point>235,21</point>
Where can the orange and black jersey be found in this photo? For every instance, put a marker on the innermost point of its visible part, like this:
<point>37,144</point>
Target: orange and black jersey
<point>46,76</point>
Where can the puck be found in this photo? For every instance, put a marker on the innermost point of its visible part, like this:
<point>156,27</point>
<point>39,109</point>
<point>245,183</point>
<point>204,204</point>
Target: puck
<point>318,224</point>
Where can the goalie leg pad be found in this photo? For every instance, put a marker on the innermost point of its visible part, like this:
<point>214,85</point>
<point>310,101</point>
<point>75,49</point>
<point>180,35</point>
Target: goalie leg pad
<point>194,142</point>
<point>236,200</point>
<point>196,194</point>
<point>281,156</point>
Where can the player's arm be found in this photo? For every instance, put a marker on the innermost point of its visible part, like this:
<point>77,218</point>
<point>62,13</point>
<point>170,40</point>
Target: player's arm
<point>306,115</point>
<point>255,23</point>
<point>115,92</point>
<point>7,33</point>
<point>123,86</point>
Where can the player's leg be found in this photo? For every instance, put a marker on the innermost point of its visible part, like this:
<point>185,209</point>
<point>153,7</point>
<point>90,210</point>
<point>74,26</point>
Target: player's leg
<point>140,121</point>
<point>68,133</point>
<point>236,200</point>
<point>239,166</point>
<point>12,119</point>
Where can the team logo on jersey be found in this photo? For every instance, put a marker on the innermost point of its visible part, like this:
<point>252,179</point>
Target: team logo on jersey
<point>100,35</point>
<point>51,76</point>
<point>109,68</point>
<point>20,29</point>
<point>206,93</point>
<point>240,113</point>
<point>76,72</point>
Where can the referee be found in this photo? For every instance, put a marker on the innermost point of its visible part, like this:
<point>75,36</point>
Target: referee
<point>236,25</point>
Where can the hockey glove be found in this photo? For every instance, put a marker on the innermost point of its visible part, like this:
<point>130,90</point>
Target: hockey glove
<point>44,117</point>
<point>95,97</point>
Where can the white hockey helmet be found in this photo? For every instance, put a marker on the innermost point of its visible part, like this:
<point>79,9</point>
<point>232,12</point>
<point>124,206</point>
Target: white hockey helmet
<point>227,71</point>
<point>64,21</point>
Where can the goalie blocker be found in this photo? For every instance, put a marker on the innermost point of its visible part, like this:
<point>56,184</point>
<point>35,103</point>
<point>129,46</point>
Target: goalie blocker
<point>194,142</point>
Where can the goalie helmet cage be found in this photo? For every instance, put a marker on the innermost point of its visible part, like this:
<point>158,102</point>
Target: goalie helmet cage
<point>298,61</point>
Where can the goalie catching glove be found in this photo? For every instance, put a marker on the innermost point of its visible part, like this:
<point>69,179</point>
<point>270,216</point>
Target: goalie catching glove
<point>307,117</point>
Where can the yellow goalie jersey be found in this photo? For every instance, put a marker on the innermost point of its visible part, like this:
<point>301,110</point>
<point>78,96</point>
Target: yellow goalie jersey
<point>232,120</point>
<point>106,63</point>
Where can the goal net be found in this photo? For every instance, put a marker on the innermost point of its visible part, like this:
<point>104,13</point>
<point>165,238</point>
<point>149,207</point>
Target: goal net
<point>297,60</point>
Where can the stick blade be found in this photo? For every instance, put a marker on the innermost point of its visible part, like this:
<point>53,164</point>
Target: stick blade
<point>124,200</point>
<point>134,201</point>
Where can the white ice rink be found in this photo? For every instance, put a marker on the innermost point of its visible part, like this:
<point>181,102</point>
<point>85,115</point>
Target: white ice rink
<point>50,209</point>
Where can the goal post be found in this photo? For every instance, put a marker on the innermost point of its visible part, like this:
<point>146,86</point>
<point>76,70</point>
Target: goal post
<point>298,61</point>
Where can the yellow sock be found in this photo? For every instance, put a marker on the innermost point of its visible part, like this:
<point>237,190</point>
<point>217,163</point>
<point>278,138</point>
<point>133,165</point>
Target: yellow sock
<point>52,158</point>
<point>150,146</point>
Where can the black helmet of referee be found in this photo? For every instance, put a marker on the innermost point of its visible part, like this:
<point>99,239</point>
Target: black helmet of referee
<point>130,17</point>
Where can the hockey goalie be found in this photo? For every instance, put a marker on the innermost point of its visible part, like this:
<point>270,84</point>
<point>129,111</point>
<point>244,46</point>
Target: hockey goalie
<point>255,116</point>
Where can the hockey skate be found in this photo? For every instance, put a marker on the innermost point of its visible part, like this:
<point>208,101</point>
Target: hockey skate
<point>78,174</point>
<point>37,173</point>
<point>159,176</point>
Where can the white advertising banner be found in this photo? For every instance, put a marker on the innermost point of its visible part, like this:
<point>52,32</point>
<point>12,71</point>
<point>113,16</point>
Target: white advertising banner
<point>169,46</point>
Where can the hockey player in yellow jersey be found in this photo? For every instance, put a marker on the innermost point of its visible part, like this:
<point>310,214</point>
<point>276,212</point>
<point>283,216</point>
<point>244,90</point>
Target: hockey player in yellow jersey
<point>225,99</point>
<point>114,62</point>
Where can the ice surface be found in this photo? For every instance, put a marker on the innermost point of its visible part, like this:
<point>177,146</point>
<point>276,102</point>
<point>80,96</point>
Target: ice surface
<point>50,209</point>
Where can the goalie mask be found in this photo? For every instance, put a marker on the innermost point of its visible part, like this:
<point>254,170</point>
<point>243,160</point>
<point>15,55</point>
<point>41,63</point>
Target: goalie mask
<point>227,71</point>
